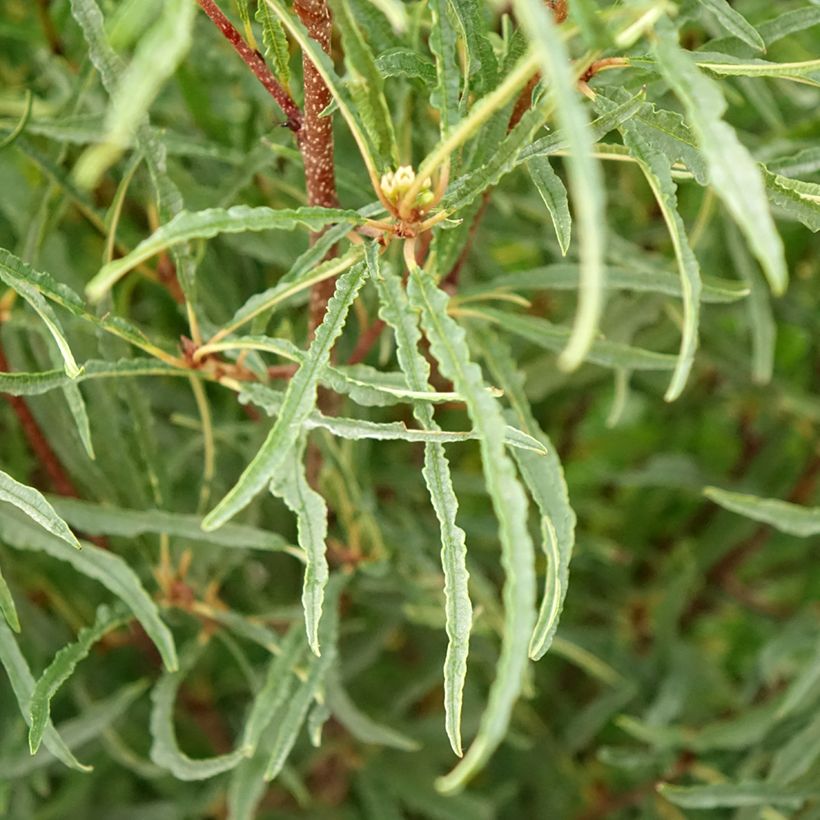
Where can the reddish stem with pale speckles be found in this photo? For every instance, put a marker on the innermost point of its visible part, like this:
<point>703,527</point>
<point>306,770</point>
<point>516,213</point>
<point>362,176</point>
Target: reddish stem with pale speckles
<point>316,137</point>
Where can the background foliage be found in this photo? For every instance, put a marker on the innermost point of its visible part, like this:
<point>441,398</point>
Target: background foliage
<point>152,193</point>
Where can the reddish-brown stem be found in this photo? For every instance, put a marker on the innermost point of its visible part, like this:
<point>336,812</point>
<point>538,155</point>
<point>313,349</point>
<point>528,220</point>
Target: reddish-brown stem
<point>255,62</point>
<point>316,137</point>
<point>47,458</point>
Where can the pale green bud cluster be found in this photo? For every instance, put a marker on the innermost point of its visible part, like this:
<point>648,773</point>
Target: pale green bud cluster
<point>395,184</point>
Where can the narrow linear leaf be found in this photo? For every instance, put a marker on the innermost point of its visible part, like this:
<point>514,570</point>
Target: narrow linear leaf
<point>798,755</point>
<point>656,169</point>
<point>62,667</point>
<point>782,515</point>
<point>103,566</point>
<point>761,321</point>
<point>544,477</point>
<point>445,94</point>
<point>275,42</point>
<point>735,176</point>
<point>394,309</point>
<point>447,342</point>
<point>12,274</point>
<point>165,751</point>
<point>291,485</point>
<point>96,519</point>
<point>277,689</point>
<point>356,429</point>
<point>564,276</point>
<point>734,795</point>
<point>7,606</point>
<point>186,226</point>
<point>554,194</point>
<point>585,178</point>
<point>22,684</point>
<point>33,504</point>
<point>297,405</point>
<point>553,337</point>
<point>288,721</point>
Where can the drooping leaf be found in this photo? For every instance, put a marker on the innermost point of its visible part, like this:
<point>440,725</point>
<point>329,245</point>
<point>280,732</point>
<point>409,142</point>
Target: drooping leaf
<point>544,477</point>
<point>585,178</point>
<point>7,607</point>
<point>447,342</point>
<point>655,167</point>
<point>291,485</point>
<point>395,311</point>
<point>734,176</point>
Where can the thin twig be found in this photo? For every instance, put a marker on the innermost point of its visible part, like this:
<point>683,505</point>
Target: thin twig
<point>256,63</point>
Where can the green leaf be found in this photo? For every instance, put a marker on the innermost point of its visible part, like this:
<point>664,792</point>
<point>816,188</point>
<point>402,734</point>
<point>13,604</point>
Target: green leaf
<point>564,276</point>
<point>445,94</point>
<point>480,64</point>
<point>277,689</point>
<point>7,606</point>
<point>289,718</point>
<point>798,755</point>
<point>585,178</point>
<point>790,518</point>
<point>159,52</point>
<point>733,795</point>
<point>62,667</point>
<point>761,322</point>
<point>794,198</point>
<point>165,751</point>
<point>365,83</point>
<point>169,199</point>
<point>186,226</point>
<point>14,273</point>
<point>103,566</point>
<point>291,485</point>
<point>22,684</point>
<point>553,337</point>
<point>734,175</point>
<point>554,194</point>
<point>404,62</point>
<point>356,429</point>
<point>32,503</point>
<point>98,519</point>
<point>447,343</point>
<point>394,310</point>
<point>275,42</point>
<point>297,405</point>
<point>733,22</point>
<point>655,167</point>
<point>544,477</point>
<point>790,22</point>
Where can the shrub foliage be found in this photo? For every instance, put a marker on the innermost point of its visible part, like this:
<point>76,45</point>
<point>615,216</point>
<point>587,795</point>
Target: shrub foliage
<point>338,337</point>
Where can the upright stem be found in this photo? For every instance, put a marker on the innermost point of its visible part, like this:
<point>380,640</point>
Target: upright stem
<point>316,137</point>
